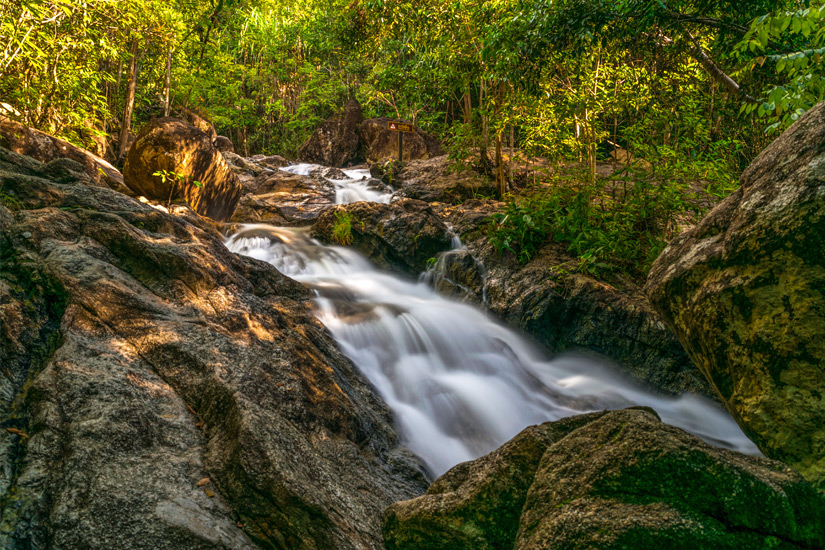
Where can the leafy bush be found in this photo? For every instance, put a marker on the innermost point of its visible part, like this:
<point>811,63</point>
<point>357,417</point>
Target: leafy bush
<point>620,223</point>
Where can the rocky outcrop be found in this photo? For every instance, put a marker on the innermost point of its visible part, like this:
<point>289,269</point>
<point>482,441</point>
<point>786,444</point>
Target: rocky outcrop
<point>197,119</point>
<point>335,142</point>
<point>195,170</point>
<point>433,180</point>
<point>611,480</point>
<point>224,144</point>
<point>271,161</point>
<point>402,237</point>
<point>745,292</point>
<point>382,143</point>
<point>161,392</point>
<point>45,148</point>
<point>569,311</point>
<point>280,198</point>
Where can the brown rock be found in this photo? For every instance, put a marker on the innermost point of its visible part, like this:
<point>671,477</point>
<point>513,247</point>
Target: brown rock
<point>223,143</point>
<point>140,356</point>
<point>197,119</point>
<point>382,143</point>
<point>335,142</point>
<point>745,292</point>
<point>615,480</point>
<point>432,180</point>
<point>281,198</point>
<point>272,161</point>
<point>184,152</point>
<point>401,236</point>
<point>45,148</point>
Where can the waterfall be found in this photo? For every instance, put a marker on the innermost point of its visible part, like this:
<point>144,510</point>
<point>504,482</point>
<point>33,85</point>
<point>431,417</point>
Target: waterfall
<point>459,383</point>
<point>350,185</point>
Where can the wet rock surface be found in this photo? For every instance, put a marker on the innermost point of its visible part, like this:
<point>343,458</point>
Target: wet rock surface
<point>745,292</point>
<point>605,480</point>
<point>401,237</point>
<point>280,198</point>
<point>196,170</point>
<point>161,392</point>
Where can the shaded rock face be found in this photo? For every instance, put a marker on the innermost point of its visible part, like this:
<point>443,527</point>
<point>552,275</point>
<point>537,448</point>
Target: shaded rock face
<point>432,180</point>
<point>400,237</point>
<point>382,143</point>
<point>172,145</point>
<point>197,119</point>
<point>611,480</point>
<point>280,198</point>
<point>45,148</point>
<point>745,292</point>
<point>223,143</point>
<point>165,393</point>
<point>335,142</point>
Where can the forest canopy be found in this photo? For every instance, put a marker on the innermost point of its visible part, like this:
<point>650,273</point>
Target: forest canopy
<point>701,78</point>
<point>695,88</point>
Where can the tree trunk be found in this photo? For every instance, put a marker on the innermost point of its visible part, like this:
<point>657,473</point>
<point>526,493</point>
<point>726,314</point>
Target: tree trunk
<point>502,183</point>
<point>129,103</point>
<point>167,84</point>
<point>512,152</point>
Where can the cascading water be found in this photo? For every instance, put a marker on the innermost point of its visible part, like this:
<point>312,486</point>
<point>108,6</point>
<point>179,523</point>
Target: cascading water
<point>458,383</point>
<point>357,185</point>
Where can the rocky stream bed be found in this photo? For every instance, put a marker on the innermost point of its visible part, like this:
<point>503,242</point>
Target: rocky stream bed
<point>160,391</point>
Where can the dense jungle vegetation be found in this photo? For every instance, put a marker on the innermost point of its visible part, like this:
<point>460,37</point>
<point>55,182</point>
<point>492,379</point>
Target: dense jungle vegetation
<point>688,90</point>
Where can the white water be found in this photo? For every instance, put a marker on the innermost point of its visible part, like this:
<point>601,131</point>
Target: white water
<point>359,185</point>
<point>459,384</point>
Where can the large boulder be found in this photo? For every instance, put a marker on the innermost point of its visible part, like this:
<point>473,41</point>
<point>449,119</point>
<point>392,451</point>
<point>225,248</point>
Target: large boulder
<point>45,148</point>
<point>160,392</point>
<point>224,144</point>
<point>280,198</point>
<point>382,143</point>
<point>335,142</point>
<point>403,236</point>
<point>745,292</point>
<point>187,155</point>
<point>197,119</point>
<point>611,480</point>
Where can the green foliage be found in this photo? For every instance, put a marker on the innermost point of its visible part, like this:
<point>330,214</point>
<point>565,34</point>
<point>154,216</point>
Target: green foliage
<point>342,228</point>
<point>617,223</point>
<point>790,45</point>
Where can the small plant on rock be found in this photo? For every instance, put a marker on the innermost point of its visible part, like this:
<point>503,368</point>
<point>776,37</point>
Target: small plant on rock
<point>342,228</point>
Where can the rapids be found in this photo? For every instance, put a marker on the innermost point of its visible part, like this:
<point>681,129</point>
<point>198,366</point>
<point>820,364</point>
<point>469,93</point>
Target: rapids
<point>459,383</point>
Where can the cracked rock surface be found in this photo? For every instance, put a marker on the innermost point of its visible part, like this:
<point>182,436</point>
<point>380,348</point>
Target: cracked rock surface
<point>160,392</point>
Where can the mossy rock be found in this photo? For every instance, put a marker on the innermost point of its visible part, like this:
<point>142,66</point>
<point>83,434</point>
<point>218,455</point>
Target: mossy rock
<point>744,291</point>
<point>619,480</point>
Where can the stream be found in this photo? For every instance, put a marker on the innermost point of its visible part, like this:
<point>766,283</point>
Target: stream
<point>459,383</point>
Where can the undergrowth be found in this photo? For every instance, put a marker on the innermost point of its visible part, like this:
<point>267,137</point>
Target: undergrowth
<point>619,223</point>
